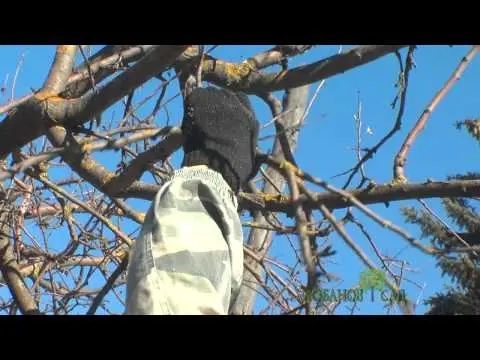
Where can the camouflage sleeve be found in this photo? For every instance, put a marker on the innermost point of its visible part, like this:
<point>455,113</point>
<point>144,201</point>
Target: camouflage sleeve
<point>188,257</point>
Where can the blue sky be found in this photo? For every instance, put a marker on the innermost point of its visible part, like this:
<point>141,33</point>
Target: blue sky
<point>325,144</point>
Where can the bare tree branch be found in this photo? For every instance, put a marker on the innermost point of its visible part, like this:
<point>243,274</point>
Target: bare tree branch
<point>358,251</point>
<point>68,217</point>
<point>60,70</point>
<point>86,145</point>
<point>241,76</point>
<point>403,87</point>
<point>135,169</point>
<point>108,286</point>
<point>106,62</point>
<point>86,207</point>
<point>276,55</point>
<point>41,112</point>
<point>400,158</point>
<point>301,226</point>
<point>10,271</point>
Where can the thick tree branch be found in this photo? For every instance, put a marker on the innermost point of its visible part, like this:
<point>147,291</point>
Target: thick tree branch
<point>103,64</point>
<point>276,55</point>
<point>377,195</point>
<point>60,70</point>
<point>13,104</point>
<point>143,161</point>
<point>242,77</point>
<point>108,182</point>
<point>157,60</point>
<point>380,194</point>
<point>10,272</point>
<point>82,162</point>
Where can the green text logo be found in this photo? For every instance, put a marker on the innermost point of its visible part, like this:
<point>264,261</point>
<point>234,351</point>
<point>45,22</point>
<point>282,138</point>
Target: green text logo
<point>372,279</point>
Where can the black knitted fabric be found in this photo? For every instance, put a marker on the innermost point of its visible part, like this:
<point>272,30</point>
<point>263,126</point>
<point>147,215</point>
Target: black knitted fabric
<point>221,131</point>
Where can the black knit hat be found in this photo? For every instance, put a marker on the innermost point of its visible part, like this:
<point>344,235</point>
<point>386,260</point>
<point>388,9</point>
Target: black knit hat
<point>221,131</point>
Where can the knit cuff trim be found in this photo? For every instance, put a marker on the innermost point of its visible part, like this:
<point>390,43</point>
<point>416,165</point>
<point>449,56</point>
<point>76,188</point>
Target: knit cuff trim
<point>209,176</point>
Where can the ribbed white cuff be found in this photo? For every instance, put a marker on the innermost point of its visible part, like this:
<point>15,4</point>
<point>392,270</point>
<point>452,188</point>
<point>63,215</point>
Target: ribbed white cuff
<point>209,176</point>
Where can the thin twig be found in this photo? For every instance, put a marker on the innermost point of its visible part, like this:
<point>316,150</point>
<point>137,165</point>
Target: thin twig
<point>128,211</point>
<point>358,125</point>
<point>430,211</point>
<point>403,86</point>
<point>261,283</point>
<point>90,147</point>
<point>275,107</point>
<point>17,70</point>
<point>272,273</point>
<point>5,84</point>
<point>89,69</point>
<point>315,94</point>
<point>276,117</point>
<point>349,198</point>
<point>374,246</point>
<point>9,268</point>
<point>358,251</point>
<point>270,181</point>
<point>83,205</point>
<point>108,286</point>
<point>375,217</point>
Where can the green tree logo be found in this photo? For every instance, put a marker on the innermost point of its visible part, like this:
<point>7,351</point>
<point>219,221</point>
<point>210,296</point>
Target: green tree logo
<point>372,278</point>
